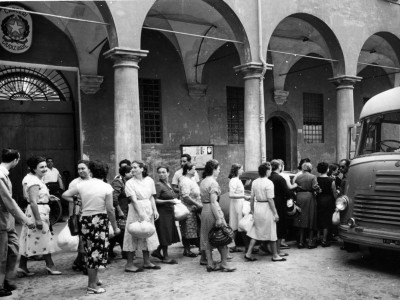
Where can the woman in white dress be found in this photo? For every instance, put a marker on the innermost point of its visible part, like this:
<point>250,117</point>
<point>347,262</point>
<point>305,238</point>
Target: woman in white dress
<point>37,241</point>
<point>237,197</point>
<point>264,212</point>
<point>141,191</point>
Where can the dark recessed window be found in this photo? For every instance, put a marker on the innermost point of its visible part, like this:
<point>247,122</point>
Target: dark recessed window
<point>235,105</point>
<point>313,118</point>
<point>150,111</point>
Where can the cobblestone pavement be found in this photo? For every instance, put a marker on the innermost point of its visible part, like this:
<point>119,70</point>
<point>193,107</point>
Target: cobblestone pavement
<point>322,273</point>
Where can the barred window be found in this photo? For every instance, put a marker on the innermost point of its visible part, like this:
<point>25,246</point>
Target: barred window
<point>150,110</point>
<point>235,106</point>
<point>313,118</point>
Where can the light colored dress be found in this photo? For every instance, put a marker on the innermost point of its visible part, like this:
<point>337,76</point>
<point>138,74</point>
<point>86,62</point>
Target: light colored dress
<point>208,186</point>
<point>34,241</point>
<point>141,190</point>
<point>236,188</point>
<point>264,227</point>
<point>189,187</point>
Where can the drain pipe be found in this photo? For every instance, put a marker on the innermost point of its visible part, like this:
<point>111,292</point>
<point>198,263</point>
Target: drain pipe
<point>263,138</point>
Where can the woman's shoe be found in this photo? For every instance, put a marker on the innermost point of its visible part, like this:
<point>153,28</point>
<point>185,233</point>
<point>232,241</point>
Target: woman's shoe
<point>213,268</point>
<point>91,291</point>
<point>223,269</point>
<point>249,258</point>
<point>300,245</point>
<point>325,244</point>
<point>189,254</point>
<point>157,254</point>
<point>52,272</point>
<point>312,246</point>
<point>22,273</point>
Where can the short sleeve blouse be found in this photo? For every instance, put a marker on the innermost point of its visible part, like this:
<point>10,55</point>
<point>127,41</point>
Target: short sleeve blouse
<point>236,187</point>
<point>140,189</point>
<point>93,193</point>
<point>208,187</point>
<point>262,189</point>
<point>188,187</point>
<point>32,180</point>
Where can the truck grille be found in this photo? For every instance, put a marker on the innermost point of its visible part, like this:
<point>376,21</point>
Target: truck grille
<point>387,181</point>
<point>377,209</point>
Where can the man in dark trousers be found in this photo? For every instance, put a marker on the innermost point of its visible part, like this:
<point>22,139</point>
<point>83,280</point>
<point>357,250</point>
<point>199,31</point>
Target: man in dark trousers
<point>282,194</point>
<point>9,210</point>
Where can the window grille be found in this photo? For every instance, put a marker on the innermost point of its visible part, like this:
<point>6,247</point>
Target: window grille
<point>313,118</point>
<point>33,84</point>
<point>150,110</point>
<point>235,106</point>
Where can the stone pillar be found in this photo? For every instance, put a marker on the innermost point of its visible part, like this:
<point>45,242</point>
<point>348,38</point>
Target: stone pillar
<point>127,135</point>
<point>344,111</point>
<point>252,113</point>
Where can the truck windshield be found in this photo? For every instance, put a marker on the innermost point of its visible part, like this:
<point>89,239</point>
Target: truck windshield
<point>379,133</point>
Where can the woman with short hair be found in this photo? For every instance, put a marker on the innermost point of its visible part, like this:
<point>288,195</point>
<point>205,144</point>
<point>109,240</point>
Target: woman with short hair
<point>165,224</point>
<point>264,213</point>
<point>142,207</point>
<point>190,196</point>
<point>97,212</point>
<point>37,241</point>
<point>305,198</point>
<point>212,215</point>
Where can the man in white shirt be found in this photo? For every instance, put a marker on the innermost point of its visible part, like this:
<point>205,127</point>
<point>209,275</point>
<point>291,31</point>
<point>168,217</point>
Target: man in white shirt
<point>9,210</point>
<point>54,182</point>
<point>185,158</point>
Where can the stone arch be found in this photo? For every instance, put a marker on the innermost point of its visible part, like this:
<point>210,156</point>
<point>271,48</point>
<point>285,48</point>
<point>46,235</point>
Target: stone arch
<point>303,34</point>
<point>205,18</point>
<point>290,139</point>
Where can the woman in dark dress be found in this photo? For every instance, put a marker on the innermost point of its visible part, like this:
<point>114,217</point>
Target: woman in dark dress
<point>165,224</point>
<point>325,201</point>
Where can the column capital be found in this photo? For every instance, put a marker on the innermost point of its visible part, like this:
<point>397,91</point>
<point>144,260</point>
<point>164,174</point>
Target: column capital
<point>125,57</point>
<point>90,84</point>
<point>345,81</point>
<point>251,69</point>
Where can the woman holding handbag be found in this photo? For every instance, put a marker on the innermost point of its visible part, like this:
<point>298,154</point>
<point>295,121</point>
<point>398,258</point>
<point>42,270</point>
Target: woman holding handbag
<point>38,241</point>
<point>165,224</point>
<point>97,212</point>
<point>190,196</point>
<point>212,215</point>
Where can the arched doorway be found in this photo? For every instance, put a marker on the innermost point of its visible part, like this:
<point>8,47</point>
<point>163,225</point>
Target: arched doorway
<point>281,142</point>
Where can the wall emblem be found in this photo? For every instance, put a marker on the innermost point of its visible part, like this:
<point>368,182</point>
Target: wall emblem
<point>16,29</point>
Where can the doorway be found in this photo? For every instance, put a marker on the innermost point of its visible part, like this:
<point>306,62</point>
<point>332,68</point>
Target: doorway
<point>278,140</point>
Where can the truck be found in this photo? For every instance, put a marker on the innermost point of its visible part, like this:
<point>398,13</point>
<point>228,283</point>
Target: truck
<point>370,207</point>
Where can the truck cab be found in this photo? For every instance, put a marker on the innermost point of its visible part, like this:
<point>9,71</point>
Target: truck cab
<point>370,208</point>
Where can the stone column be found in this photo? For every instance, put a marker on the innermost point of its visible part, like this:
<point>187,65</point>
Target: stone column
<point>344,111</point>
<point>127,135</point>
<point>252,114</point>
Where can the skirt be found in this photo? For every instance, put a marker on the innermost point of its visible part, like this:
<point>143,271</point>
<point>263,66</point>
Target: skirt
<point>94,233</point>
<point>207,222</point>
<point>325,210</point>
<point>34,241</point>
<point>189,226</point>
<point>136,244</point>
<point>165,225</point>
<point>264,227</point>
<point>308,217</point>
<point>235,213</point>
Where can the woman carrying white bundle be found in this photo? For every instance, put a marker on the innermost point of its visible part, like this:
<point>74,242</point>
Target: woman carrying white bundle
<point>141,191</point>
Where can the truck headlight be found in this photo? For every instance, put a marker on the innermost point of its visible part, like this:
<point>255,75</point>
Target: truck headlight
<point>342,203</point>
<point>351,222</point>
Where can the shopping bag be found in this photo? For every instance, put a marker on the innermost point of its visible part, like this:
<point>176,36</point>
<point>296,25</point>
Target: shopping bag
<point>246,208</point>
<point>66,241</point>
<point>336,218</point>
<point>246,223</point>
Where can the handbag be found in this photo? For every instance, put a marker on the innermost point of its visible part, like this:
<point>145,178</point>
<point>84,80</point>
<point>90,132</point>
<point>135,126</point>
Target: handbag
<point>220,236</point>
<point>73,222</point>
<point>246,223</point>
<point>181,212</point>
<point>336,218</point>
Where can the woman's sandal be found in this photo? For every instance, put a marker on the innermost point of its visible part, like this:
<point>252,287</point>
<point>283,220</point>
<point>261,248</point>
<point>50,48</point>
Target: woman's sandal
<point>249,258</point>
<point>213,268</point>
<point>189,254</point>
<point>91,291</point>
<point>22,273</point>
<point>223,269</point>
